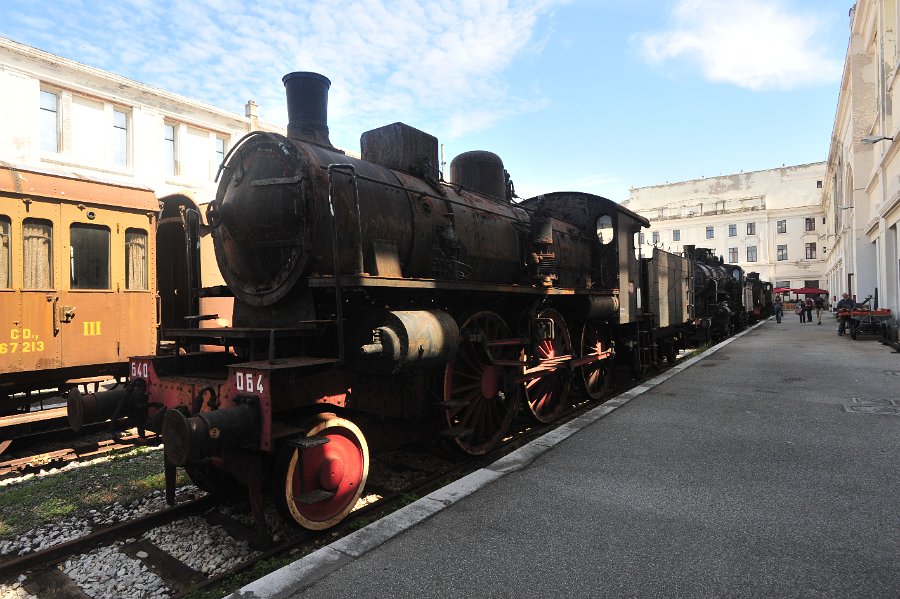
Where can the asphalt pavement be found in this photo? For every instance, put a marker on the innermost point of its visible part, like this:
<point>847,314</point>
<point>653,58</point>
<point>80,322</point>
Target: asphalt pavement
<point>769,466</point>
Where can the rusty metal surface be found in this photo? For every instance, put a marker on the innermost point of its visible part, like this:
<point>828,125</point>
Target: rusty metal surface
<point>48,185</point>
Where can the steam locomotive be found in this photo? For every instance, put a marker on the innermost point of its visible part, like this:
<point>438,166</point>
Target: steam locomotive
<point>376,303</point>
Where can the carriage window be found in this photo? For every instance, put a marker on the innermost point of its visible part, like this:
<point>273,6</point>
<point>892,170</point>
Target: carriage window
<point>89,257</point>
<point>605,229</point>
<point>37,249</point>
<point>135,259</point>
<point>4,253</point>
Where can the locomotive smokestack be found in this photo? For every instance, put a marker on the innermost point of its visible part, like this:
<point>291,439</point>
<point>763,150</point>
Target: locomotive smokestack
<point>307,102</point>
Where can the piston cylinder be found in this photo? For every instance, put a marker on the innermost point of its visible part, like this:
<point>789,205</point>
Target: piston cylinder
<point>602,306</point>
<point>412,338</point>
<point>186,438</point>
<point>88,408</point>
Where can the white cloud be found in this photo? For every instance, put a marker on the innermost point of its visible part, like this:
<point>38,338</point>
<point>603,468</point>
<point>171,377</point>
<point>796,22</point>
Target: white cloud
<point>437,65</point>
<point>755,44</point>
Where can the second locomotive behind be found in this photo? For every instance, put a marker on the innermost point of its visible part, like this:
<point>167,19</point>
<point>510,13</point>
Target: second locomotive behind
<point>376,303</point>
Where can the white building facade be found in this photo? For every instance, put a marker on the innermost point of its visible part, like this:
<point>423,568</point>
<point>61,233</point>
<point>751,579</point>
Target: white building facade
<point>862,191</point>
<point>770,221</point>
<point>60,115</point>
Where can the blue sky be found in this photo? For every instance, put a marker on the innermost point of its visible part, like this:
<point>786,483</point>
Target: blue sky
<point>588,95</point>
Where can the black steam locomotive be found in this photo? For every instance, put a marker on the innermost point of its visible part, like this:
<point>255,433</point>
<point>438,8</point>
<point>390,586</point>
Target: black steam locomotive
<point>372,300</point>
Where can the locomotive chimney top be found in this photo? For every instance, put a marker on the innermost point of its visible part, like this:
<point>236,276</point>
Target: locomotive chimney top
<point>307,103</point>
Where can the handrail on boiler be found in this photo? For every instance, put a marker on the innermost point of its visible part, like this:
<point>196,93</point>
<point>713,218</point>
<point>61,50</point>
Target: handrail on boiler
<point>348,168</point>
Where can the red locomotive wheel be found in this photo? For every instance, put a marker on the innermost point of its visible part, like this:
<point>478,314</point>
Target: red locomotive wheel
<point>545,397</point>
<point>318,486</point>
<point>476,408</point>
<point>594,377</point>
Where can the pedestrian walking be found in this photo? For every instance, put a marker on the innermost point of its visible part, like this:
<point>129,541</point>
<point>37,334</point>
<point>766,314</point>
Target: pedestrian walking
<point>820,305</point>
<point>800,311</point>
<point>779,309</point>
<point>808,308</point>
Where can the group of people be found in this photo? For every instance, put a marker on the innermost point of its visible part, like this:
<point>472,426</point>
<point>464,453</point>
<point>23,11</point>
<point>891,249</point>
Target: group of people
<point>804,309</point>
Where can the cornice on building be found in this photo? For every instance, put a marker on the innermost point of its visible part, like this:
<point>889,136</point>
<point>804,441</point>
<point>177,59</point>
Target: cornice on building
<point>103,85</point>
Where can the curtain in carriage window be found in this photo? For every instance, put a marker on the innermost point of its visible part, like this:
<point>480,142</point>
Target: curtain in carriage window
<point>135,259</point>
<point>37,237</point>
<point>4,253</point>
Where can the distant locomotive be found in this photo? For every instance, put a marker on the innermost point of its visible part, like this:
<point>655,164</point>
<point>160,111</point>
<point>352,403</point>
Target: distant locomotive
<point>758,298</point>
<point>718,295</point>
<point>371,296</point>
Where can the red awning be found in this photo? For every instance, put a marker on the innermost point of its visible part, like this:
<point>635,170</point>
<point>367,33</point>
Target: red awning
<point>810,291</point>
<point>781,290</point>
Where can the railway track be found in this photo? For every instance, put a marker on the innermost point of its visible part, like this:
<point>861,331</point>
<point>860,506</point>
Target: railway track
<point>47,572</point>
<point>84,448</point>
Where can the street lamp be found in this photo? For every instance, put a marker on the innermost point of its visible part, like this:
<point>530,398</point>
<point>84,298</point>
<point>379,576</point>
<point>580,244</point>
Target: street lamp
<point>874,139</point>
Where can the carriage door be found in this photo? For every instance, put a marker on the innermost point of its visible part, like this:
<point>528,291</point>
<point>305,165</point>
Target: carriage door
<point>137,286</point>
<point>30,240</point>
<point>88,314</point>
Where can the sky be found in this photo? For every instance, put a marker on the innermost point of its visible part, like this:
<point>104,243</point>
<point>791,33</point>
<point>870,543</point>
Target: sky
<point>574,95</point>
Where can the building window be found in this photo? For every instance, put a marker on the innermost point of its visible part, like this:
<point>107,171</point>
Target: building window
<point>89,257</point>
<point>220,151</point>
<point>818,185</point>
<point>751,253</point>
<point>782,226</point>
<point>732,255</point>
<point>5,272</point>
<point>782,252</point>
<point>135,259</point>
<point>814,283</point>
<point>169,154</point>
<point>655,237</point>
<point>784,284</point>
<point>710,233</point>
<point>810,224</point>
<point>37,250</point>
<point>751,228</point>
<point>49,122</point>
<point>120,138</point>
<point>676,235</point>
<point>810,251</point>
<point>732,230</point>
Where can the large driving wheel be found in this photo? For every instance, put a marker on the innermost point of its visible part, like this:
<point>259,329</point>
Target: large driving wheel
<point>545,396</point>
<point>476,408</point>
<point>596,342</point>
<point>318,478</point>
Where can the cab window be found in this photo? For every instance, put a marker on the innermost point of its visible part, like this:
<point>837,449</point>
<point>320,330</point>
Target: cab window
<point>136,259</point>
<point>605,229</point>
<point>5,273</point>
<point>89,257</point>
<point>37,249</point>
